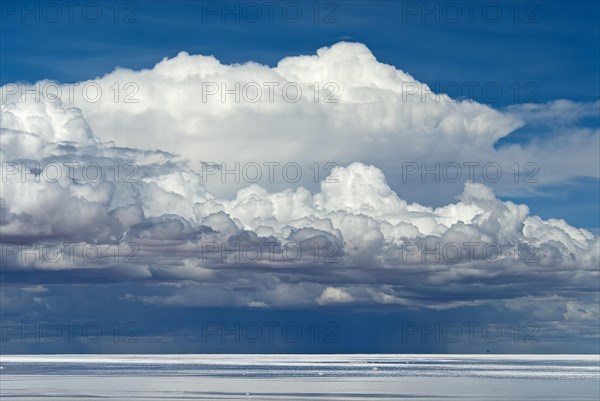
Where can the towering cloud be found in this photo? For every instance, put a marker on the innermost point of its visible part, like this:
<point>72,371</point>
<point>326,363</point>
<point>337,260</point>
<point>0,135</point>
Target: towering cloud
<point>115,191</point>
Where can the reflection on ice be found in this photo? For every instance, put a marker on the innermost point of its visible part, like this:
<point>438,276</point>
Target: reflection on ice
<point>300,377</point>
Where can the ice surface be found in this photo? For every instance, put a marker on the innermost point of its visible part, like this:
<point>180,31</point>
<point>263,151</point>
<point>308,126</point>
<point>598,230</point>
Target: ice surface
<point>300,377</point>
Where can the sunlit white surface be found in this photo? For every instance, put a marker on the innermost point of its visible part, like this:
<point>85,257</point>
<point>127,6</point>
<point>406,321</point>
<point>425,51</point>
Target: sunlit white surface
<point>300,377</point>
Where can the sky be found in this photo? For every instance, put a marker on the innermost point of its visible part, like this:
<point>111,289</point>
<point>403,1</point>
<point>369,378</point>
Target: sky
<point>300,176</point>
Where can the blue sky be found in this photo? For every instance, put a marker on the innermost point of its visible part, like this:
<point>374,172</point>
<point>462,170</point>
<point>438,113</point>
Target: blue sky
<point>532,52</point>
<point>552,45</point>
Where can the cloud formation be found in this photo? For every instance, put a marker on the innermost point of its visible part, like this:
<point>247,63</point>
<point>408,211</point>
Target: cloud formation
<point>340,105</point>
<point>113,192</point>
